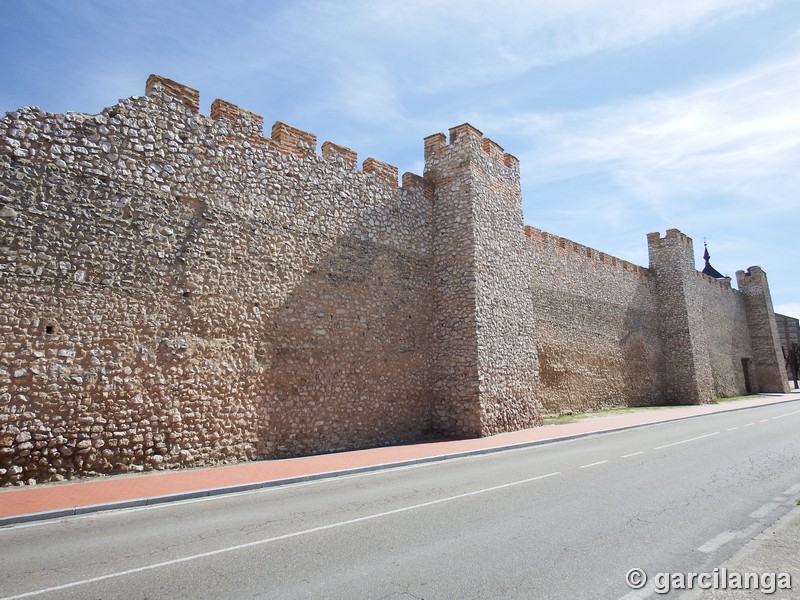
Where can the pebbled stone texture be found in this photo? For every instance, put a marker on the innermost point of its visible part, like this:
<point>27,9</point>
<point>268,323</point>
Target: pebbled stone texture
<point>179,289</point>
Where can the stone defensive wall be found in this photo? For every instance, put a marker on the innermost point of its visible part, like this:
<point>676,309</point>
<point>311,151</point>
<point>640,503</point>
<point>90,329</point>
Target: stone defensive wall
<point>717,341</point>
<point>728,341</point>
<point>611,333</point>
<point>596,327</point>
<point>180,289</point>
<point>488,375</point>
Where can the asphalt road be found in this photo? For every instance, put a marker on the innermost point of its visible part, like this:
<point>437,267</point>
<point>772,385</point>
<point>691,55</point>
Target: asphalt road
<point>564,520</point>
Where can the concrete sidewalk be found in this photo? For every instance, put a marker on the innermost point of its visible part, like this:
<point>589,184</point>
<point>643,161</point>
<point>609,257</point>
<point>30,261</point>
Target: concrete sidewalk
<point>775,550</point>
<point>55,500</point>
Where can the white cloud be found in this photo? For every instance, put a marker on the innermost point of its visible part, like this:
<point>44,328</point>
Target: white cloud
<point>738,137</point>
<point>368,53</point>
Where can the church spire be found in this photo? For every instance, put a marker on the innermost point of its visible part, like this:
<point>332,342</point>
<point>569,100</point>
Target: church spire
<point>708,269</point>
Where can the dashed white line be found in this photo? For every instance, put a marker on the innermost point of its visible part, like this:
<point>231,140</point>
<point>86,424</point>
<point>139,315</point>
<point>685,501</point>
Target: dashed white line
<point>786,415</point>
<point>763,420</point>
<point>277,538</point>
<point>762,512</point>
<point>717,542</point>
<point>632,454</point>
<point>731,429</point>
<point>795,489</point>
<point>748,425</point>
<point>599,462</point>
<point>700,437</point>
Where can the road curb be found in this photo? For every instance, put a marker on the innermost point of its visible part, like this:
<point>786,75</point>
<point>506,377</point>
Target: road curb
<point>270,483</point>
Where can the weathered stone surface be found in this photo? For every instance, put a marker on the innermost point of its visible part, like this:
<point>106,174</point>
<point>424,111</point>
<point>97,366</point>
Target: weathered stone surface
<point>181,290</point>
<point>596,327</point>
<point>197,298</point>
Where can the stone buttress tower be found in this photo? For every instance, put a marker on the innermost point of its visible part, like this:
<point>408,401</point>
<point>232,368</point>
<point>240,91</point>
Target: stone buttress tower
<point>770,369</point>
<point>688,374</point>
<point>485,359</point>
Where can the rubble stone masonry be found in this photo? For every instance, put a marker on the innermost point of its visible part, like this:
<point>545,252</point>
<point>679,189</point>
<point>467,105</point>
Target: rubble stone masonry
<point>770,369</point>
<point>179,289</point>
<point>596,327</point>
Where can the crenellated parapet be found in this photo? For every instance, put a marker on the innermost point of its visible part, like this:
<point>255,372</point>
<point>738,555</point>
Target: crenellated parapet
<point>283,137</point>
<point>722,284</point>
<point>228,125</point>
<point>381,170</point>
<point>220,109</point>
<point>464,137</point>
<point>413,182</point>
<point>337,152</point>
<point>187,96</point>
<point>291,140</point>
<point>673,236</point>
<point>548,241</point>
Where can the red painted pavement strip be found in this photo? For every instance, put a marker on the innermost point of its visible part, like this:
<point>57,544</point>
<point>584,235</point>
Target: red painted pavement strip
<point>55,496</point>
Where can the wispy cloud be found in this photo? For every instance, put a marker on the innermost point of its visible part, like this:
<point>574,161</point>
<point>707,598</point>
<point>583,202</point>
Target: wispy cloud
<point>738,136</point>
<point>612,145</point>
<point>367,54</point>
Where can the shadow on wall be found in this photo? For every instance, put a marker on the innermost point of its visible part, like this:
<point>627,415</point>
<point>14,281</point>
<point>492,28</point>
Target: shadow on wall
<point>597,337</point>
<point>193,331</point>
<point>346,358</point>
<point>642,357</point>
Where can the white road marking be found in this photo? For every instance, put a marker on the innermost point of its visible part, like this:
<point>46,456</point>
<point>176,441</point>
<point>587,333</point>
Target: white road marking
<point>795,489</point>
<point>277,538</point>
<point>384,468</point>
<point>632,454</point>
<point>599,462</point>
<point>748,425</point>
<point>762,512</point>
<point>763,420</point>
<point>717,542</point>
<point>732,429</point>
<point>700,437</point>
<point>786,415</point>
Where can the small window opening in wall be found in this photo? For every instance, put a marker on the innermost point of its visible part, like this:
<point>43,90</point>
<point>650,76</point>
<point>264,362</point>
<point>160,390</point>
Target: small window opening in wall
<point>187,294</point>
<point>49,329</point>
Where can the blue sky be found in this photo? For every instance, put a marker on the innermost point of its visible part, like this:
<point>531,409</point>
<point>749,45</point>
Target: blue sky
<point>628,116</point>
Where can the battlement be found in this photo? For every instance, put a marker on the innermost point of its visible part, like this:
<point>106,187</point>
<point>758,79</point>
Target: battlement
<point>242,127</point>
<point>466,134</point>
<point>751,271</point>
<point>291,140</point>
<point>544,239</point>
<point>186,95</point>
<point>220,109</point>
<point>381,170</point>
<point>412,181</point>
<point>672,234</point>
<point>331,150</point>
<point>724,283</point>
<point>752,276</point>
